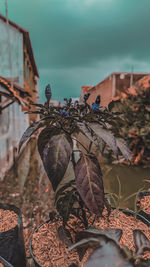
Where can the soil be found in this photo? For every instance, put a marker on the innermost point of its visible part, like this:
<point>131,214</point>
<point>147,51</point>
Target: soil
<point>49,251</point>
<point>8,220</point>
<point>145,204</point>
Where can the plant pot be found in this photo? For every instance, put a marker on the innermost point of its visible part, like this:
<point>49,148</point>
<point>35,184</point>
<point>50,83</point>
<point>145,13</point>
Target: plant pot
<point>126,212</point>
<point>5,263</point>
<point>139,208</point>
<point>12,249</point>
<point>30,244</point>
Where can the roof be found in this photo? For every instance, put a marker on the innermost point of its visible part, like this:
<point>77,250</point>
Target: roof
<point>27,41</point>
<point>125,73</point>
<point>143,82</point>
<point>14,91</point>
<point>86,88</point>
<point>89,88</point>
<point>8,82</point>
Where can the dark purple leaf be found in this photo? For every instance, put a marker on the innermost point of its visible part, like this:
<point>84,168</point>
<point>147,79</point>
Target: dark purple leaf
<point>32,112</point>
<point>73,265</point>
<point>114,234</point>
<point>81,250</point>
<point>5,263</point>
<point>64,235</point>
<point>109,254</point>
<point>85,131</point>
<point>111,105</point>
<point>55,150</point>
<point>121,144</point>
<point>48,92</point>
<point>61,190</point>
<point>142,243</point>
<point>38,105</point>
<point>86,242</point>
<point>30,130</point>
<point>102,235</point>
<point>105,135</point>
<point>89,183</point>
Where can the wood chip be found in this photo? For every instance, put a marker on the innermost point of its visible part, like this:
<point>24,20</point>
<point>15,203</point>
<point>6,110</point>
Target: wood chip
<point>49,251</point>
<point>8,220</point>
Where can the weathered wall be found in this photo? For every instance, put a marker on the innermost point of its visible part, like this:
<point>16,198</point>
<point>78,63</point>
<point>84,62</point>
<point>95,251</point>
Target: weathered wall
<point>30,81</point>
<point>11,64</point>
<point>13,123</point>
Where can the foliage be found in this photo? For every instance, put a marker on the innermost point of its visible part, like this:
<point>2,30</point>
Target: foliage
<point>107,250</point>
<point>60,144</point>
<point>135,126</point>
<point>61,128</point>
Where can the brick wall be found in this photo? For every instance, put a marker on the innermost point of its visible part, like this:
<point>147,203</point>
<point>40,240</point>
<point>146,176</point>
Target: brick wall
<point>104,89</point>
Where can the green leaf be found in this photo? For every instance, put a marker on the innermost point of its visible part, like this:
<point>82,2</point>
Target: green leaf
<point>30,130</point>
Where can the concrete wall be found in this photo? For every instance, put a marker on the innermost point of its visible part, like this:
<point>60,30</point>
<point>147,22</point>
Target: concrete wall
<point>11,63</point>
<point>13,121</point>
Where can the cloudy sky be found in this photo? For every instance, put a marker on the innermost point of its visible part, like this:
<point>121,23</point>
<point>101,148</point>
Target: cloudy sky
<point>80,42</point>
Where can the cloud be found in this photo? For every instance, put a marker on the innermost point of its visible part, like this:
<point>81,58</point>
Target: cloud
<point>79,42</point>
<point>67,82</point>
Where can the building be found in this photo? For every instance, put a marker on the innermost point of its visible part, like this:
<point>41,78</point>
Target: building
<point>18,88</point>
<point>112,86</point>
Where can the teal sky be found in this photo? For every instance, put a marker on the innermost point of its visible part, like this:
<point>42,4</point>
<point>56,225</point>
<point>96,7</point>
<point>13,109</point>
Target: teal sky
<point>80,42</point>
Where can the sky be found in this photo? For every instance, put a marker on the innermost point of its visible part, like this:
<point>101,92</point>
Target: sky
<point>80,42</point>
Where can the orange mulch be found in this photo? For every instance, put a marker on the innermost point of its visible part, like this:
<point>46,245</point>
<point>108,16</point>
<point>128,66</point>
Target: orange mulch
<point>49,251</point>
<point>145,204</point>
<point>8,220</point>
<point>119,220</point>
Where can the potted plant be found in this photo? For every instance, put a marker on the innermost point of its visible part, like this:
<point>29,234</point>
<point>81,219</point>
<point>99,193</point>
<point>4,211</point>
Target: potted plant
<point>74,136</point>
<point>12,249</point>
